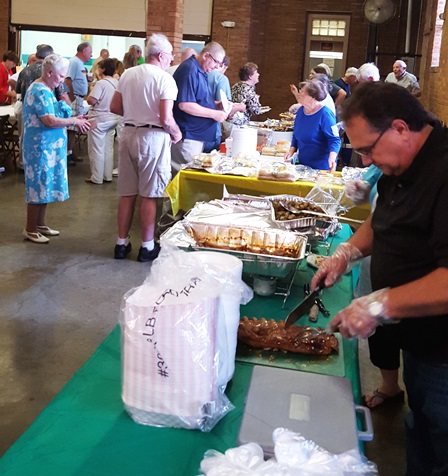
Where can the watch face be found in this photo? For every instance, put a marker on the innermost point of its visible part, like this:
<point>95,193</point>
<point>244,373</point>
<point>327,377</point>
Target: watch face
<point>375,309</point>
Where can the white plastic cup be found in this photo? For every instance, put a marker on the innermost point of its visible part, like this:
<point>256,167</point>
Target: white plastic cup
<point>229,143</point>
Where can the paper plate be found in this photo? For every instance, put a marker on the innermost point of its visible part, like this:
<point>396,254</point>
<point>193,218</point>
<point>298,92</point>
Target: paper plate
<point>315,260</point>
<point>226,105</point>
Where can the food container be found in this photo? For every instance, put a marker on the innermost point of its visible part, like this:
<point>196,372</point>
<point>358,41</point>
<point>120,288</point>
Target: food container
<point>267,242</point>
<point>266,252</point>
<point>281,136</point>
<point>300,222</point>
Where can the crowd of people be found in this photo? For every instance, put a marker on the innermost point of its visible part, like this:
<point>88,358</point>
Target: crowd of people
<point>166,115</point>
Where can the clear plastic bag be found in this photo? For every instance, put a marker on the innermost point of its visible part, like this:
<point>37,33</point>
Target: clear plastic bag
<point>294,455</point>
<point>329,196</point>
<point>179,333</point>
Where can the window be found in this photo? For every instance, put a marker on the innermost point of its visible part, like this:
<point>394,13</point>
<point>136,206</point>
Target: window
<point>435,59</point>
<point>328,28</point>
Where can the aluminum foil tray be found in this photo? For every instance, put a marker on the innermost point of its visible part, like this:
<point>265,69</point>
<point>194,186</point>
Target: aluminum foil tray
<point>269,252</point>
<point>297,223</point>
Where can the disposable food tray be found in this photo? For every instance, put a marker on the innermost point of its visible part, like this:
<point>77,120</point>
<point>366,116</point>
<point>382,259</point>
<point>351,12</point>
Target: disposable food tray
<point>270,252</point>
<point>301,223</point>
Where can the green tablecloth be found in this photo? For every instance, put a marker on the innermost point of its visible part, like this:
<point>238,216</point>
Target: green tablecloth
<point>86,431</point>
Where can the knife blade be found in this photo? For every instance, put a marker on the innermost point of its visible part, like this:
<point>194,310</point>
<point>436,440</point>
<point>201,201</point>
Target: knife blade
<point>303,308</point>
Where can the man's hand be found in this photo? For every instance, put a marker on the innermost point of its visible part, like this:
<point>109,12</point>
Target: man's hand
<point>358,191</point>
<point>175,138</point>
<point>339,263</point>
<point>236,107</point>
<point>363,315</point>
<point>219,116</point>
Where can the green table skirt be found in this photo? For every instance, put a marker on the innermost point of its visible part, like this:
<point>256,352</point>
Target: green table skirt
<point>85,430</point>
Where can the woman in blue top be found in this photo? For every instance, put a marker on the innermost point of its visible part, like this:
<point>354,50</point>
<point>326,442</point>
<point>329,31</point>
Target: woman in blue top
<point>45,147</point>
<point>315,133</point>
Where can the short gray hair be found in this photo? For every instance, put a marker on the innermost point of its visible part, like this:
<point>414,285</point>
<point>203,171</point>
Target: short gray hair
<point>314,88</point>
<point>214,49</point>
<point>401,63</point>
<point>326,68</point>
<point>367,71</point>
<point>82,46</point>
<point>157,43</point>
<point>350,72</point>
<point>55,63</point>
<point>43,51</point>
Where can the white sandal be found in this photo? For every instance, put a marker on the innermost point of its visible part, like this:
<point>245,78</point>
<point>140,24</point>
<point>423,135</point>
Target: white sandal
<point>35,237</point>
<point>47,231</point>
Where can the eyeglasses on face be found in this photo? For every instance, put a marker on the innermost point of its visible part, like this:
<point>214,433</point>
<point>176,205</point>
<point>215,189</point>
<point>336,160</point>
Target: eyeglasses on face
<point>367,151</point>
<point>218,63</point>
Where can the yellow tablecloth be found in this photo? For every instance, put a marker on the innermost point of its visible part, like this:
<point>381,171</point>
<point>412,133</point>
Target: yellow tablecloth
<point>191,186</point>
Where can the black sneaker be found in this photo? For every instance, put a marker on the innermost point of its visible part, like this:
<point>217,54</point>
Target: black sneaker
<point>121,251</point>
<point>74,158</point>
<point>145,255</point>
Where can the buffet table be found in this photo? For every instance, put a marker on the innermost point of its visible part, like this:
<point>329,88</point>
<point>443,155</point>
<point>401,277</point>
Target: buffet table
<point>86,431</point>
<point>191,186</point>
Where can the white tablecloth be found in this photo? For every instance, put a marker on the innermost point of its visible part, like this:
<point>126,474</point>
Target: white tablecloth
<point>4,110</point>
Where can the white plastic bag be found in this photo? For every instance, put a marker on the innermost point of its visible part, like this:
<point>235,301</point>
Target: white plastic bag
<point>294,455</point>
<point>178,347</point>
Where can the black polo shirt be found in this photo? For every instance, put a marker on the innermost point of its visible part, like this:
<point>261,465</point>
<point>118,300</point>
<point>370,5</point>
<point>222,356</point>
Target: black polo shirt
<point>410,225</point>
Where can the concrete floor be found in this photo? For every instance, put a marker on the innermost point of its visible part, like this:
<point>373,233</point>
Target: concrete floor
<point>59,301</point>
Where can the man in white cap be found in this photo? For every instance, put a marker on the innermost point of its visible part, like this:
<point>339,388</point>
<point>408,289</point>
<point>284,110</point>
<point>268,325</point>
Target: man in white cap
<point>347,80</point>
<point>400,76</point>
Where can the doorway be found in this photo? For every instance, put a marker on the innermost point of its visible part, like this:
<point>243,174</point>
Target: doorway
<point>327,42</point>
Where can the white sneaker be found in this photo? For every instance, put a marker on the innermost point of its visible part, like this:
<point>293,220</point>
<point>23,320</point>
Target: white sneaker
<point>115,172</point>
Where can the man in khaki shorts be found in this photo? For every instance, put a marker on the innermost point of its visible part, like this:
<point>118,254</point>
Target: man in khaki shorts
<point>145,98</point>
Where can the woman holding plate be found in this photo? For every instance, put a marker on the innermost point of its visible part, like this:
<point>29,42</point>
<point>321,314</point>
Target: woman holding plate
<point>244,92</point>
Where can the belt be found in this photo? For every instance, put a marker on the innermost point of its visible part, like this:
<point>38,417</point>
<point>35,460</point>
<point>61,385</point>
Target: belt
<point>79,95</point>
<point>147,126</point>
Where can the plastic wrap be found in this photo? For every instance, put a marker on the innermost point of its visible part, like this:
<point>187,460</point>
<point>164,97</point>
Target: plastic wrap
<point>294,455</point>
<point>179,333</point>
<point>332,199</point>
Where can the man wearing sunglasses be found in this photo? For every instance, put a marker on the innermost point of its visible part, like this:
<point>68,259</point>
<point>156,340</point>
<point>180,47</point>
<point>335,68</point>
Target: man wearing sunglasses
<point>407,237</point>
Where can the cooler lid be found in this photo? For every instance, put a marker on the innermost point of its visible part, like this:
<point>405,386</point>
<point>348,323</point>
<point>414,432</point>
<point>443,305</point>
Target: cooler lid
<point>319,407</point>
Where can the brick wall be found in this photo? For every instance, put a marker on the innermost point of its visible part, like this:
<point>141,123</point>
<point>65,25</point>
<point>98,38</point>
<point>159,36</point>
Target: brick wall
<point>4,25</point>
<point>166,16</point>
<point>272,33</point>
<point>274,38</point>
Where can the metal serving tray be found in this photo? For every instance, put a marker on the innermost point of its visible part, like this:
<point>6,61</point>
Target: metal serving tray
<point>271,243</point>
<point>297,223</point>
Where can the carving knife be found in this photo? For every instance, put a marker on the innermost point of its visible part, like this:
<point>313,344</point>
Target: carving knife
<point>303,308</point>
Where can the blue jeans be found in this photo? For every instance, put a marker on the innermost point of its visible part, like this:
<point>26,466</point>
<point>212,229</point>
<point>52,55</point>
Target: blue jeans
<point>427,422</point>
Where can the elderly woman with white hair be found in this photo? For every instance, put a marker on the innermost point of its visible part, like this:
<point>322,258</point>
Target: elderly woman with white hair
<point>45,147</point>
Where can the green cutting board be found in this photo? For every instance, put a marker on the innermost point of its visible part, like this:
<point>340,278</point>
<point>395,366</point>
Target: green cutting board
<point>326,365</point>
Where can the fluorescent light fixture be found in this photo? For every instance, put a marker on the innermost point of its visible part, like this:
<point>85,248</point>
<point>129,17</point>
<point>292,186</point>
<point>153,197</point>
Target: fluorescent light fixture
<point>326,54</point>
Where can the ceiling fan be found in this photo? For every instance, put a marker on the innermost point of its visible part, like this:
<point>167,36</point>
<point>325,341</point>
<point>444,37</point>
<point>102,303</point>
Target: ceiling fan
<point>379,11</point>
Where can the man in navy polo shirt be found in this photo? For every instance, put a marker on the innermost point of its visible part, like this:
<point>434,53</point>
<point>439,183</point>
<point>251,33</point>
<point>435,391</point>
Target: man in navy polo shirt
<point>195,110</point>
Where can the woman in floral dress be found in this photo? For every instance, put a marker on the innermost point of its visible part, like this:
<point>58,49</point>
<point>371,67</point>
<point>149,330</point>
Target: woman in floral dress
<point>244,92</point>
<point>45,147</point>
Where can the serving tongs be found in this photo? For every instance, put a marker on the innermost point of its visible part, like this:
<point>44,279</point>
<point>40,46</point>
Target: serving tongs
<point>296,211</point>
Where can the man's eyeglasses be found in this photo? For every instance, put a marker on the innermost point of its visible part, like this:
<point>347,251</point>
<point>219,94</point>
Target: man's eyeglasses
<point>218,63</point>
<point>169,54</point>
<point>367,151</point>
